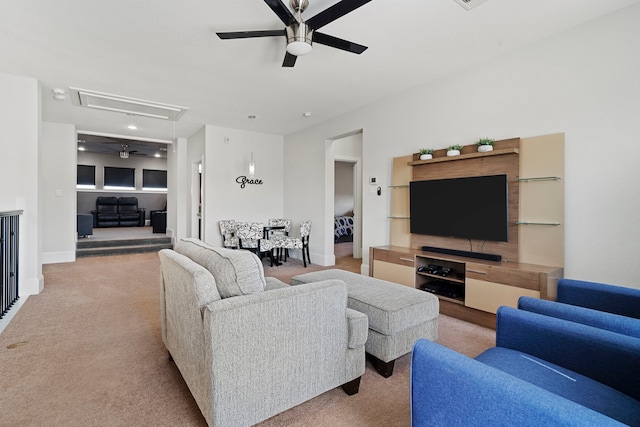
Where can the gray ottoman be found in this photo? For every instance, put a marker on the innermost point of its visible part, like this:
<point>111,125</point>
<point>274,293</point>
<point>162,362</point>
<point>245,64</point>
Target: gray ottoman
<point>398,315</point>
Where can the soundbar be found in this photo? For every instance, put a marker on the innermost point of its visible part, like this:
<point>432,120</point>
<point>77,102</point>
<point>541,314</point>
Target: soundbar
<point>468,254</point>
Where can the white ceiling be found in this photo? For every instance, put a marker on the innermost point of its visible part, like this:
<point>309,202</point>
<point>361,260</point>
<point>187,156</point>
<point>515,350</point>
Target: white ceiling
<point>167,51</point>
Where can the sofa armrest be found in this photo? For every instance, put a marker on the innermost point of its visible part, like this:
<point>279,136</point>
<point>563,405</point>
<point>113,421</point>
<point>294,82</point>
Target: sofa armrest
<point>450,389</point>
<point>358,328</point>
<point>598,319</point>
<point>607,357</point>
<point>143,216</point>
<point>600,296</point>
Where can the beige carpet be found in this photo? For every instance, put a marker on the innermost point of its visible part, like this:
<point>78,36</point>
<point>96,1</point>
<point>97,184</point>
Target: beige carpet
<point>88,352</point>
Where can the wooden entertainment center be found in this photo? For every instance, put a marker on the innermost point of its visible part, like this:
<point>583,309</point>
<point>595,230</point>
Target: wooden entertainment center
<point>532,260</point>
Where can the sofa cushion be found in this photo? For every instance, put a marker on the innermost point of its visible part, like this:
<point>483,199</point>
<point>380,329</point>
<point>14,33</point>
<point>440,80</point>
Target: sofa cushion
<point>236,272</point>
<point>128,205</point>
<point>107,205</point>
<point>108,217</point>
<point>563,382</point>
<point>273,283</point>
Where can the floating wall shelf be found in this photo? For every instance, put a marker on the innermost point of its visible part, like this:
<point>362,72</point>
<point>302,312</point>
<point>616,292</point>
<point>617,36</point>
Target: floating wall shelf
<point>537,223</point>
<point>541,178</point>
<point>500,152</point>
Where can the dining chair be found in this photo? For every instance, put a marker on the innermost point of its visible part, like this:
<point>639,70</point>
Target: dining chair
<point>300,242</point>
<point>228,231</point>
<point>278,236</point>
<point>251,237</point>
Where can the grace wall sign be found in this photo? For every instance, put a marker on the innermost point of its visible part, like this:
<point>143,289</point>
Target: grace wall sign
<point>243,181</point>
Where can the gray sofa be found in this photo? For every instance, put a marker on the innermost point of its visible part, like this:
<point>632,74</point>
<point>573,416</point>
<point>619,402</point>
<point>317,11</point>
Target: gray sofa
<point>250,347</point>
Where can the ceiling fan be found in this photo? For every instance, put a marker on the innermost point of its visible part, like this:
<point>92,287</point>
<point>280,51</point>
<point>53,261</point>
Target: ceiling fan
<point>124,154</point>
<point>301,34</point>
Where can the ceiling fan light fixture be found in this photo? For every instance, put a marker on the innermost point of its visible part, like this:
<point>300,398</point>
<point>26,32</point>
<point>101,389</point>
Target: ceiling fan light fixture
<point>298,48</point>
<point>299,39</point>
<point>124,154</point>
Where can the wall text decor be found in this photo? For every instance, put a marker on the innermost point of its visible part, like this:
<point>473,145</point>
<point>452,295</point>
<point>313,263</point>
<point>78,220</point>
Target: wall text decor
<point>243,181</point>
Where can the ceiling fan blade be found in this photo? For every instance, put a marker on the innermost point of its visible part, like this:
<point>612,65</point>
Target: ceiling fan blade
<point>328,40</point>
<point>334,12</point>
<point>249,34</point>
<point>289,60</point>
<point>282,11</point>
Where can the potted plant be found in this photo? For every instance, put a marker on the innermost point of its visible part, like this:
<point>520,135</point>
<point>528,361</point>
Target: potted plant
<point>485,144</point>
<point>454,150</point>
<point>426,153</point>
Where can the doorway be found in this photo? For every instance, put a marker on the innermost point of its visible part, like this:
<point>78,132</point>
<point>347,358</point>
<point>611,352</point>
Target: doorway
<point>197,214</point>
<point>347,203</point>
<point>115,166</point>
<point>344,207</point>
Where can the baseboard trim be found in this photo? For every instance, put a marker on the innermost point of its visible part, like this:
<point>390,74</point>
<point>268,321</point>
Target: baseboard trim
<point>58,257</point>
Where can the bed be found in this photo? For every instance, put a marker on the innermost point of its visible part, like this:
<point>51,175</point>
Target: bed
<point>343,228</point>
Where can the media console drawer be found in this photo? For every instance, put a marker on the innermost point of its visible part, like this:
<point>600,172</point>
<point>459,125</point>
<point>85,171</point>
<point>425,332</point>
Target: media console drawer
<point>512,276</point>
<point>396,273</point>
<point>488,296</point>
<point>394,266</point>
<point>394,257</point>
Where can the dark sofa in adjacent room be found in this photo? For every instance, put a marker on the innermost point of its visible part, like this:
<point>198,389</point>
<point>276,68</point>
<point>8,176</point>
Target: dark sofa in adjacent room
<point>118,212</point>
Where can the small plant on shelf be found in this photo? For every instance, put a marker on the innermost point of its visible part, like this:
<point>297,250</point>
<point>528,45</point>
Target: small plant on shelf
<point>426,153</point>
<point>454,150</point>
<point>485,144</point>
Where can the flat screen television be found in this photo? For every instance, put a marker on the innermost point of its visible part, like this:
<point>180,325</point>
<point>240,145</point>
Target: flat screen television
<point>469,208</point>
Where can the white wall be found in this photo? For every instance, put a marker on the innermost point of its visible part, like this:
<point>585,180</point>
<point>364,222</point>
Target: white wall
<point>19,125</point>
<point>583,82</point>
<point>57,192</point>
<point>177,181</point>
<point>227,155</point>
<point>195,154</point>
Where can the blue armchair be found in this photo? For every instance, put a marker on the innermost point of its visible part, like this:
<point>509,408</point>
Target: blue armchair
<point>599,296</point>
<point>543,371</point>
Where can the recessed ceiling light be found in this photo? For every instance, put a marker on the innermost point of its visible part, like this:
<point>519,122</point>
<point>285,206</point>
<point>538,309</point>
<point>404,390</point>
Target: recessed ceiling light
<point>157,154</point>
<point>132,127</point>
<point>306,114</point>
<point>81,148</point>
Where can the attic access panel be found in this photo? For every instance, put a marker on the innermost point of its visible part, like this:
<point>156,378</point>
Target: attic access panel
<point>123,104</point>
<point>469,4</point>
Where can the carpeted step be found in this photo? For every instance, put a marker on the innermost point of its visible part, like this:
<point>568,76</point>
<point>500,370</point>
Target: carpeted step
<point>89,243</point>
<point>120,250</point>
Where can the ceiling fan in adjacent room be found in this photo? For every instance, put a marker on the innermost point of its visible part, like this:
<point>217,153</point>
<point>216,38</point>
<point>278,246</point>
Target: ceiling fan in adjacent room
<point>301,34</point>
<point>124,154</point>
